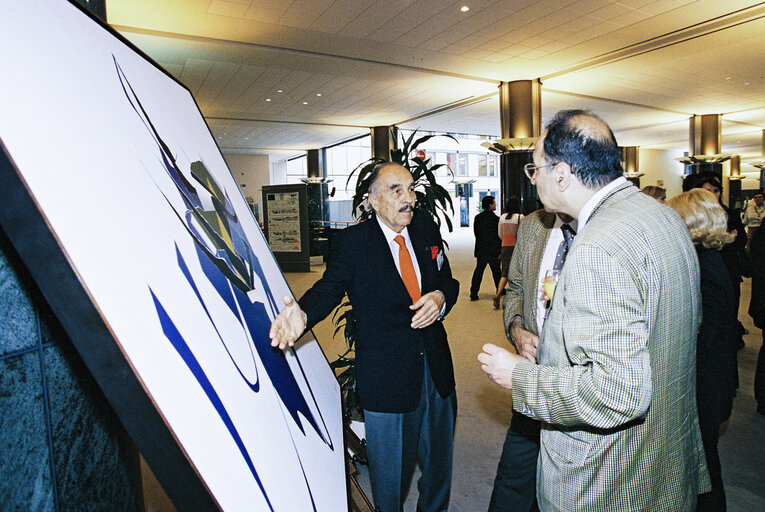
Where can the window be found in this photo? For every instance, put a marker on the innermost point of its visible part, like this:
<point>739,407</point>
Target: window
<point>342,159</point>
<point>297,168</point>
<point>482,165</point>
<point>492,166</point>
<point>462,164</point>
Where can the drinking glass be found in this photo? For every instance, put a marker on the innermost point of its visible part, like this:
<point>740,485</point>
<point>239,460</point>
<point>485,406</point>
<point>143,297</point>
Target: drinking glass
<point>550,281</point>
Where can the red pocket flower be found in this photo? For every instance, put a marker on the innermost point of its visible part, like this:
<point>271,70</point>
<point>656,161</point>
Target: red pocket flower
<point>433,251</point>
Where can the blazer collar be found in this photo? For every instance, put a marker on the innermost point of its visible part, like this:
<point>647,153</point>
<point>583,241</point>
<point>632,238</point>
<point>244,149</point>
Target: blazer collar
<point>614,195</point>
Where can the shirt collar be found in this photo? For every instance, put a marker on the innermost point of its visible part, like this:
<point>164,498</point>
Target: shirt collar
<point>558,223</point>
<point>389,234</point>
<point>589,206</point>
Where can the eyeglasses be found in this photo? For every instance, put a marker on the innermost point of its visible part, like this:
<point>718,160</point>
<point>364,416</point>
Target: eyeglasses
<point>531,170</point>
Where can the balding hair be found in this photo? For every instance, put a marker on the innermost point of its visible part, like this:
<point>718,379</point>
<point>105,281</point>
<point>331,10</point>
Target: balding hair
<point>376,174</point>
<point>586,144</point>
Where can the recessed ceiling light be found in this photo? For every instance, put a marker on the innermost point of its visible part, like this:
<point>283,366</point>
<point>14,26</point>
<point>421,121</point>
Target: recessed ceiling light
<point>305,103</point>
<point>727,78</point>
<point>318,94</point>
<point>746,83</point>
<point>268,99</point>
<point>464,8</point>
<point>279,91</point>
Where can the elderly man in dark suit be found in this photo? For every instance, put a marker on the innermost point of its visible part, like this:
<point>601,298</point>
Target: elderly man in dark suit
<point>398,279</point>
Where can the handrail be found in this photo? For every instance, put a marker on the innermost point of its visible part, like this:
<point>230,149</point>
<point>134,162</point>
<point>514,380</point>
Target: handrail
<point>332,223</point>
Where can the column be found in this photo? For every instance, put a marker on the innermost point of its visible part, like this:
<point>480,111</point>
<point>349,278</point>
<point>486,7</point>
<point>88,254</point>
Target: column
<point>733,197</point>
<point>520,114</point>
<point>63,447</point>
<point>315,167</point>
<point>383,141</point>
<point>705,140</point>
<point>630,163</point>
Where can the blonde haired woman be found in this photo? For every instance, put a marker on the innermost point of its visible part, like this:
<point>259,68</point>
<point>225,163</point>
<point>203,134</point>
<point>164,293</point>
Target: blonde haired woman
<point>716,364</point>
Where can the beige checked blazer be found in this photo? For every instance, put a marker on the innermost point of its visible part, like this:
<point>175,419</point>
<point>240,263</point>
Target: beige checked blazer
<point>615,384</point>
<point>533,233</point>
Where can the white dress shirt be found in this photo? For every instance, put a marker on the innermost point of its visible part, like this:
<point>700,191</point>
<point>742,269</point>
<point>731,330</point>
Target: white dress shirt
<point>547,263</point>
<point>390,235</point>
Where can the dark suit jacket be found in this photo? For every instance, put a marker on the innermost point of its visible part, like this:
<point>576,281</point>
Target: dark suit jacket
<point>716,364</point>
<point>389,353</point>
<point>733,253</point>
<point>757,303</point>
<point>488,245</point>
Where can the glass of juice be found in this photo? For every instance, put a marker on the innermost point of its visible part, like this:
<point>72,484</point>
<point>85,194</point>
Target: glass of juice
<point>550,281</point>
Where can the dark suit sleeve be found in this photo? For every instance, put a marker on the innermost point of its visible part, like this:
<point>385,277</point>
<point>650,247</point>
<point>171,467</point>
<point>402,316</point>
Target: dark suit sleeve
<point>715,354</point>
<point>327,293</point>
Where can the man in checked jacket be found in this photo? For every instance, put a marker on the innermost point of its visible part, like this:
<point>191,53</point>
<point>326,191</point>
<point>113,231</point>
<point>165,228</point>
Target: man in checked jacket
<point>614,387</point>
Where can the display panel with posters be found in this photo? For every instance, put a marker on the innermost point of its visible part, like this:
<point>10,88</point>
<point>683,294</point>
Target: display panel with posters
<point>118,199</point>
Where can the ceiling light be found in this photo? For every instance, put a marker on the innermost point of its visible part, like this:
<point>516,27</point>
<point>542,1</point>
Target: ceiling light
<point>746,83</point>
<point>279,91</point>
<point>727,78</point>
<point>464,8</point>
<point>318,94</point>
<point>305,103</point>
<point>268,99</point>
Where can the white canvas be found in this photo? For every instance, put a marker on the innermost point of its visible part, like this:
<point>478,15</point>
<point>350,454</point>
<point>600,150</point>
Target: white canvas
<point>106,144</point>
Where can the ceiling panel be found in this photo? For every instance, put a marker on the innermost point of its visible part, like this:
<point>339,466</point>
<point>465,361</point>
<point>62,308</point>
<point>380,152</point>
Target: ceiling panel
<point>645,66</point>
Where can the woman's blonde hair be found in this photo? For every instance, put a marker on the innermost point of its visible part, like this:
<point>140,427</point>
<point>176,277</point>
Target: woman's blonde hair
<point>658,193</point>
<point>705,218</point>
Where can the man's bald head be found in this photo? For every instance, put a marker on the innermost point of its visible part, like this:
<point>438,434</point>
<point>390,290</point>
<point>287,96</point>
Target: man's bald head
<point>586,144</point>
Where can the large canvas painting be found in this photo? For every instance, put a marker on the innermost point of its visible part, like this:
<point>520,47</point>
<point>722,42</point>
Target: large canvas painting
<point>127,179</point>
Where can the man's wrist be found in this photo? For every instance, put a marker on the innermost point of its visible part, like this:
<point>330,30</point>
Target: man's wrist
<point>516,323</point>
<point>442,312</point>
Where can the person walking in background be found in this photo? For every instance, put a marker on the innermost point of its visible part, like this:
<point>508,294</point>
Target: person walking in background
<point>487,245</point>
<point>753,215</point>
<point>658,193</point>
<point>540,237</point>
<point>716,367</point>
<point>363,213</point>
<point>616,374</point>
<point>397,277</point>
<point>508,227</point>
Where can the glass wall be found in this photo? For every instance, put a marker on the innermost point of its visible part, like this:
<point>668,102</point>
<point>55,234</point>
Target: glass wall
<point>297,168</point>
<point>341,160</point>
<point>469,162</point>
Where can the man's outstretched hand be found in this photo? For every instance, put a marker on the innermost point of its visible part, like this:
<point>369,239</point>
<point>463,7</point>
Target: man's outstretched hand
<point>288,325</point>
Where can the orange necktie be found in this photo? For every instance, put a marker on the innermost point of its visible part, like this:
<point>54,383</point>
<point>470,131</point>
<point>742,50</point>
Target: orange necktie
<point>407,270</point>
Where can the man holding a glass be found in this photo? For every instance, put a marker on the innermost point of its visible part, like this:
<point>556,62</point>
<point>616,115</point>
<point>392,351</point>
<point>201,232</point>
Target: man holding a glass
<point>613,386</point>
<point>541,245</point>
